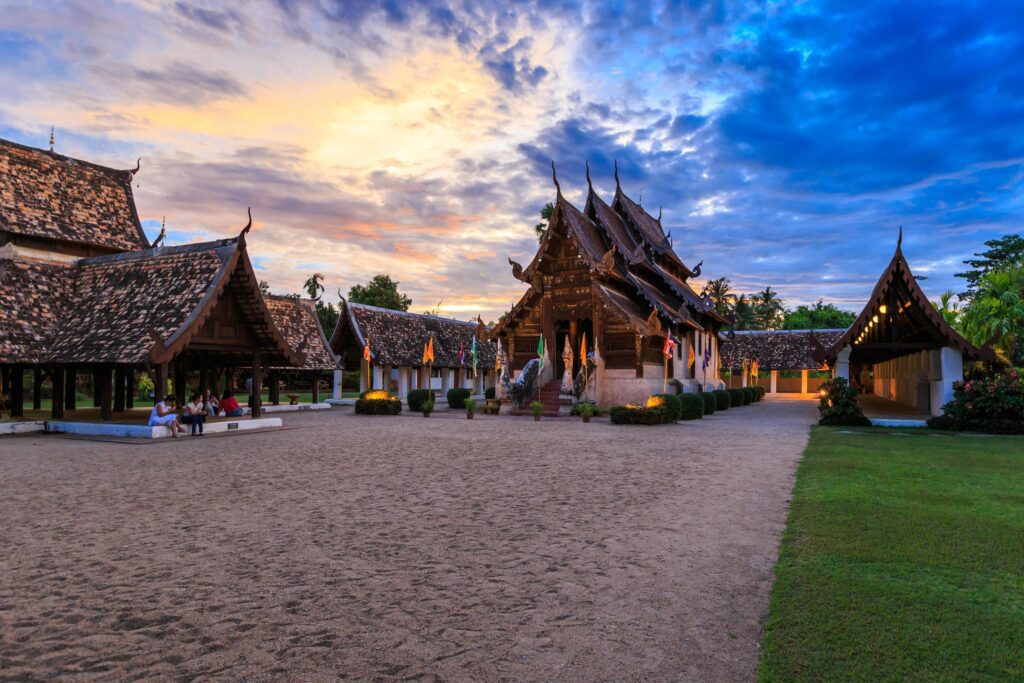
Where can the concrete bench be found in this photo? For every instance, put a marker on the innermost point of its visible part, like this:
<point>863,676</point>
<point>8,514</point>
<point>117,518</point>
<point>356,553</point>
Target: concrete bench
<point>147,432</point>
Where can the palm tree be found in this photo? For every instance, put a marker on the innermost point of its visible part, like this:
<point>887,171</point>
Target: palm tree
<point>718,290</point>
<point>743,313</point>
<point>314,285</point>
<point>948,309</point>
<point>768,309</point>
<point>996,310</point>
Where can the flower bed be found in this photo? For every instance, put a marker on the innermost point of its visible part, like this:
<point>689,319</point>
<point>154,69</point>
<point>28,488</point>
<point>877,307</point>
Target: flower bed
<point>377,402</point>
<point>838,404</point>
<point>994,405</point>
<point>654,412</point>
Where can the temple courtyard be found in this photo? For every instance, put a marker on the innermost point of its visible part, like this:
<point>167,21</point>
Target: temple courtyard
<point>401,547</point>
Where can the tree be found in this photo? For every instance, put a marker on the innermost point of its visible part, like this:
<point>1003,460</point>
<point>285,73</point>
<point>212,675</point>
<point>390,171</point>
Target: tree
<point>381,291</point>
<point>768,309</point>
<point>997,310</point>
<point>820,316</point>
<point>743,314</point>
<point>264,287</point>
<point>948,309</point>
<point>328,316</point>
<point>314,285</point>
<point>545,217</point>
<point>718,290</point>
<point>1002,254</point>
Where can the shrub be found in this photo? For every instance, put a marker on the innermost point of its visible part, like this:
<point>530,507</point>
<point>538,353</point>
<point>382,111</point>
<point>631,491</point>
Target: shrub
<point>748,395</point>
<point>378,406</point>
<point>993,405</point>
<point>673,403</point>
<point>760,392</point>
<point>735,397</point>
<point>722,399</point>
<point>417,397</point>
<point>630,414</point>
<point>489,393</point>
<point>537,408</point>
<point>692,406</point>
<point>596,410</point>
<point>469,405</point>
<point>457,396</point>
<point>710,401</point>
<point>584,409</point>
<point>375,394</point>
<point>838,404</point>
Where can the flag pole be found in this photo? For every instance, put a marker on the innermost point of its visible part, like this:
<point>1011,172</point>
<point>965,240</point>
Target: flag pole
<point>664,379</point>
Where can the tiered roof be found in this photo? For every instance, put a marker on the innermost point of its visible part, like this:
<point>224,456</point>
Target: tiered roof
<point>49,196</point>
<point>397,338</point>
<point>298,321</point>
<point>634,265</point>
<point>776,349</point>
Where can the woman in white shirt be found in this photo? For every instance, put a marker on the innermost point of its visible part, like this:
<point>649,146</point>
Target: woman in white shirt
<point>195,413</point>
<point>164,414</point>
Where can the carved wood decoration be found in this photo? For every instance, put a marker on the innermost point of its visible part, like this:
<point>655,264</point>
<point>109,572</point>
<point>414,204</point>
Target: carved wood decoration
<point>517,270</point>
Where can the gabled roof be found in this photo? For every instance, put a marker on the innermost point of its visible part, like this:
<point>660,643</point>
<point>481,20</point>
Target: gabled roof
<point>397,338</point>
<point>298,321</point>
<point>50,196</point>
<point>130,308</point>
<point>776,349</point>
<point>909,322</point>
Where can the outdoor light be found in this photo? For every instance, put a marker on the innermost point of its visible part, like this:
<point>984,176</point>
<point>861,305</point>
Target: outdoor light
<point>883,309</point>
<point>874,319</point>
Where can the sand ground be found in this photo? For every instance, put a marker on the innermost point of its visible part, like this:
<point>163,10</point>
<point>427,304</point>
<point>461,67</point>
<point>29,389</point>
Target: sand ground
<point>385,548</point>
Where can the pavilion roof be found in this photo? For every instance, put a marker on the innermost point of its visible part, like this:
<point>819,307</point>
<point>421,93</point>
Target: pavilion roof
<point>298,321</point>
<point>898,319</point>
<point>50,196</point>
<point>776,349</point>
<point>397,337</point>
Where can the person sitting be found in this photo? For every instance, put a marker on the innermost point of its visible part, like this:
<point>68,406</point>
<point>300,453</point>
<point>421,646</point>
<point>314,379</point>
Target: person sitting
<point>195,414</point>
<point>229,405</point>
<point>165,415</point>
<point>211,404</point>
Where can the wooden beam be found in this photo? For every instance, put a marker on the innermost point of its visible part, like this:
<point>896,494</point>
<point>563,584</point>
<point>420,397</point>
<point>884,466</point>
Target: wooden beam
<point>316,386</point>
<point>160,388</point>
<point>69,385</point>
<point>17,384</point>
<point>257,384</point>
<point>95,388</point>
<point>274,379</point>
<point>179,381</point>
<point>102,390</point>
<point>58,377</point>
<point>37,388</point>
<point>129,388</point>
<point>119,389</point>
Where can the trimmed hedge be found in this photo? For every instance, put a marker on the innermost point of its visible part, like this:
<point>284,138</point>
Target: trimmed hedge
<point>674,405</point>
<point>416,399</point>
<point>378,406</point>
<point>457,397</point>
<point>839,406</point>
<point>748,395</point>
<point>723,400</point>
<point>489,393</point>
<point>710,401</point>
<point>639,415</point>
<point>760,392</point>
<point>735,397</point>
<point>692,406</point>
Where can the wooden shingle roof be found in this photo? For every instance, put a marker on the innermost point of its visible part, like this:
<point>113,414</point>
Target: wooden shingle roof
<point>776,349</point>
<point>49,196</point>
<point>300,325</point>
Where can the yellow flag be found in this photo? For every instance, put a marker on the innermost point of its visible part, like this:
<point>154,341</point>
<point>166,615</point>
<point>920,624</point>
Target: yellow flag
<point>367,356</point>
<point>583,349</point>
<point>691,357</point>
<point>430,350</point>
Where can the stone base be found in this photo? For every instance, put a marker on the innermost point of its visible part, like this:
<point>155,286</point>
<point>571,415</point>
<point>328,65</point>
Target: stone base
<point>8,428</point>
<point>147,432</point>
<point>286,408</point>
<point>885,422</point>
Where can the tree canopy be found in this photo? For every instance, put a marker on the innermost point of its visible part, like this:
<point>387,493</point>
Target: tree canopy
<point>1003,253</point>
<point>381,291</point>
<point>820,316</point>
<point>541,228</point>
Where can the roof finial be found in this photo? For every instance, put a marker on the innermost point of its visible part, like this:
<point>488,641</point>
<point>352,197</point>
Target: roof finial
<point>640,198</point>
<point>163,232</point>
<point>589,184</point>
<point>52,139</point>
<point>558,188</point>
<point>659,214</point>
<point>248,226</point>
<point>899,242</point>
<point>616,174</point>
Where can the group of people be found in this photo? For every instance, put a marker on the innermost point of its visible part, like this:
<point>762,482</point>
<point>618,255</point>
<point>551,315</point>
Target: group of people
<point>201,406</point>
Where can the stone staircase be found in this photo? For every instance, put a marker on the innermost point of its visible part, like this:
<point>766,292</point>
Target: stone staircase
<point>548,395</point>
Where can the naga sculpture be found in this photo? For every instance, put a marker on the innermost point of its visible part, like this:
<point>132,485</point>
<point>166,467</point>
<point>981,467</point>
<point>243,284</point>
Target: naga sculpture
<point>523,389</point>
<point>579,385</point>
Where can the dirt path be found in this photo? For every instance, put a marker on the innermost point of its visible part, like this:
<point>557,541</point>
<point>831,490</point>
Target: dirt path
<point>399,547</point>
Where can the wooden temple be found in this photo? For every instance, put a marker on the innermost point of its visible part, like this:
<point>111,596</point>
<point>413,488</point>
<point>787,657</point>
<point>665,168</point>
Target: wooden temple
<point>611,273</point>
<point>83,292</point>
<point>900,347</point>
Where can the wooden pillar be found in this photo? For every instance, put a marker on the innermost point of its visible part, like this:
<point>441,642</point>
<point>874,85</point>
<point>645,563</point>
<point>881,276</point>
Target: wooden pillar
<point>129,388</point>
<point>102,389</point>
<point>95,388</point>
<point>316,386</point>
<point>274,379</point>
<point>160,384</point>
<point>257,384</point>
<point>120,389</point>
<point>204,378</point>
<point>58,377</point>
<point>37,388</point>
<point>5,379</point>
<point>17,393</point>
<point>575,346</point>
<point>639,340</point>
<point>69,383</point>
<point>179,381</point>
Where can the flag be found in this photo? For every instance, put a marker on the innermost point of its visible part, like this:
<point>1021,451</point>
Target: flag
<point>462,353</point>
<point>754,369</point>
<point>707,359</point>
<point>497,357</point>
<point>367,355</point>
<point>428,351</point>
<point>691,357</point>
<point>473,351</point>
<point>583,349</point>
<point>670,346</point>
<point>540,351</point>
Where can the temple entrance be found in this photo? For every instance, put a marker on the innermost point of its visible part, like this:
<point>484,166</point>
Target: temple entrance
<point>574,330</point>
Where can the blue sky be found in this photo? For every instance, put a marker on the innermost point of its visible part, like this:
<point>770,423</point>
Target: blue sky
<point>786,142</point>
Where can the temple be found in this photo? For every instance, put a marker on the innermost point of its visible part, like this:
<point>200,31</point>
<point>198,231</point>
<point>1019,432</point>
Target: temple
<point>83,291</point>
<point>900,348</point>
<point>610,272</point>
<point>396,340</point>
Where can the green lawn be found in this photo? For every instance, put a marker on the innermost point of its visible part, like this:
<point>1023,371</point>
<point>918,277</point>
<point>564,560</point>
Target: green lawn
<point>903,558</point>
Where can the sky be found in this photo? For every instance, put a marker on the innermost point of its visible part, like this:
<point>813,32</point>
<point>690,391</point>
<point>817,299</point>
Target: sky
<point>785,142</point>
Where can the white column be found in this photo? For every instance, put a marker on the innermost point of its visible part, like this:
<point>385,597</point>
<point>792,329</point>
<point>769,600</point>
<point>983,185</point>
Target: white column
<point>336,388</point>
<point>363,377</point>
<point>951,369</point>
<point>378,377</point>
<point>803,382</point>
<point>446,381</point>
<point>403,382</point>
<point>842,368</point>
<point>774,382</point>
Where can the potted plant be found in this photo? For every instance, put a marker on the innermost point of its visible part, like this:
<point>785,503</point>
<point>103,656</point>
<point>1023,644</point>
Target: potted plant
<point>586,410</point>
<point>537,408</point>
<point>427,407</point>
<point>470,406</point>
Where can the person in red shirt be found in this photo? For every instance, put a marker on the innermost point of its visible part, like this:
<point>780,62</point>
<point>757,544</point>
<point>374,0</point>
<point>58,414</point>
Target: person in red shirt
<point>229,405</point>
